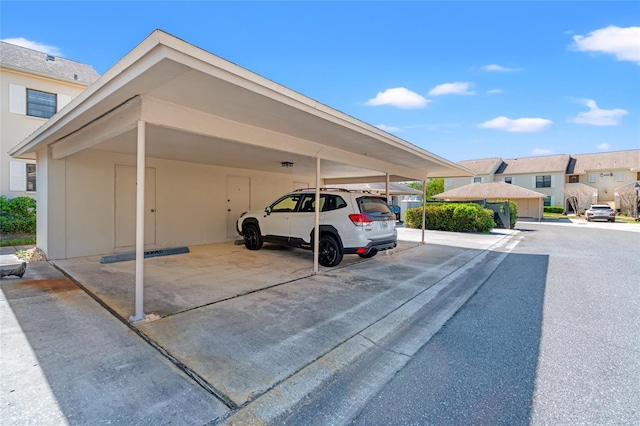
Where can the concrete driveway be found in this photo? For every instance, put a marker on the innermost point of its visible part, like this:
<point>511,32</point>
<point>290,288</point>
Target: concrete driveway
<point>240,322</point>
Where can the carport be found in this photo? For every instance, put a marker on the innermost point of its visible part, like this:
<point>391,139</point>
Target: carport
<point>172,143</point>
<point>529,203</point>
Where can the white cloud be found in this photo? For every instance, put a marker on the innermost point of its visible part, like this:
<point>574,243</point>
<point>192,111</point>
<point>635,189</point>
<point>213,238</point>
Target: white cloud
<point>389,129</point>
<point>599,117</point>
<point>40,47</point>
<point>541,151</point>
<point>604,146</point>
<point>457,88</point>
<point>399,97</point>
<point>624,43</point>
<point>498,68</point>
<point>494,91</point>
<point>516,125</point>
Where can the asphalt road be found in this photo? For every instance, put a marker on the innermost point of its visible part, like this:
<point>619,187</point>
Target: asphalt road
<point>552,337</point>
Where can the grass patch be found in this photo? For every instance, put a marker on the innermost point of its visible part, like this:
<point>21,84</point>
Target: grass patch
<point>18,241</point>
<point>554,216</point>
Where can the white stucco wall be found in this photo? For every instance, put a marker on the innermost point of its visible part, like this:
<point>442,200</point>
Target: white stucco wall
<point>190,203</point>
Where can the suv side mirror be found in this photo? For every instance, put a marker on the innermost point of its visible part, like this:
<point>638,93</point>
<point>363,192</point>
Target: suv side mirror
<point>267,210</point>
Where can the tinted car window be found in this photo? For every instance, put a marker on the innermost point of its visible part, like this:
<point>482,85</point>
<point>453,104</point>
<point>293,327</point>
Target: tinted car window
<point>327,202</point>
<point>286,204</point>
<point>373,205</point>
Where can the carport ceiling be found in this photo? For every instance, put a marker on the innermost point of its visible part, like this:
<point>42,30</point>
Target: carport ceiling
<point>182,146</point>
<point>164,71</point>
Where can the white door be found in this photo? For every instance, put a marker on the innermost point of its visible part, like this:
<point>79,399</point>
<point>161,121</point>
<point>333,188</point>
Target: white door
<point>125,208</point>
<point>238,201</point>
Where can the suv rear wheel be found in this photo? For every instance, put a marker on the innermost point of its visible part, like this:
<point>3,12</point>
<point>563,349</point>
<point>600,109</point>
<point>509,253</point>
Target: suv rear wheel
<point>252,238</point>
<point>330,252</point>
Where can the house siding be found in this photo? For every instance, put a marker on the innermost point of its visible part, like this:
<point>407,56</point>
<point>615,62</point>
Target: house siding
<point>190,201</point>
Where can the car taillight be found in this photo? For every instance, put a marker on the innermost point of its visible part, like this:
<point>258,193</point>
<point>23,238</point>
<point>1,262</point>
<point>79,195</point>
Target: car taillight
<point>360,219</point>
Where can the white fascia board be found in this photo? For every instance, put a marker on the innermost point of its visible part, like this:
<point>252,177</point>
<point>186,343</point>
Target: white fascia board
<point>161,113</point>
<point>115,123</point>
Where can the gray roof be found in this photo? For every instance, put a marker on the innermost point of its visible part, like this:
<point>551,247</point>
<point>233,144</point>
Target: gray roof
<point>605,161</point>
<point>547,163</point>
<point>22,58</point>
<point>484,190</point>
<point>380,187</point>
<point>483,166</point>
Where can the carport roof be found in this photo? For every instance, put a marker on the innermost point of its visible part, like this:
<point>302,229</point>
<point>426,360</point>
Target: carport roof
<point>203,109</point>
<point>484,190</point>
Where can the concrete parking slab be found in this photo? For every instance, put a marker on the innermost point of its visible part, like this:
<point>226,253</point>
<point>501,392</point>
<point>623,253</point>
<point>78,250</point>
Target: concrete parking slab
<point>208,274</point>
<point>245,345</point>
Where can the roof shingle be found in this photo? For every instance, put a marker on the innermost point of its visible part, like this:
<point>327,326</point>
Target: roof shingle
<point>42,63</point>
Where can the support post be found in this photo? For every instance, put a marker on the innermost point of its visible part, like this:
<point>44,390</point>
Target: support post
<point>424,205</point>
<point>316,232</point>
<point>140,189</point>
<point>387,189</point>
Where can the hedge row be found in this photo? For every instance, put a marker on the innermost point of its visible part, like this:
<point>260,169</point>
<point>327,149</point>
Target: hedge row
<point>553,209</point>
<point>17,215</point>
<point>452,217</point>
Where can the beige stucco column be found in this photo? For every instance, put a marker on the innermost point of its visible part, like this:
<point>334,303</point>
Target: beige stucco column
<point>141,154</point>
<point>424,206</point>
<point>316,233</point>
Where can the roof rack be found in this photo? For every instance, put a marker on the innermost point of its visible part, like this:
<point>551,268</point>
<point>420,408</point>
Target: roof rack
<point>324,189</point>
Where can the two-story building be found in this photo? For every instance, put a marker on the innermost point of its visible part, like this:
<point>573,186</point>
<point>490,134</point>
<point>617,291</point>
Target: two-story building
<point>33,87</point>
<point>603,177</point>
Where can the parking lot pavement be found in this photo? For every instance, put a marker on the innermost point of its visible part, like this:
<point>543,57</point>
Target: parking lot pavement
<point>82,364</point>
<point>64,359</point>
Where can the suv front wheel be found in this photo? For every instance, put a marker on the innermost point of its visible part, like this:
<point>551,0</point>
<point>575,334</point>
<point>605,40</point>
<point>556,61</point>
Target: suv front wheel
<point>252,238</point>
<point>330,252</point>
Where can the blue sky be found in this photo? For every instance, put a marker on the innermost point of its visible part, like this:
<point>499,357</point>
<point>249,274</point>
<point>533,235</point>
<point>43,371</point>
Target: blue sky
<point>463,80</point>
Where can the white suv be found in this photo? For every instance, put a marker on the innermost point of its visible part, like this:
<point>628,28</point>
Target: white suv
<point>350,223</point>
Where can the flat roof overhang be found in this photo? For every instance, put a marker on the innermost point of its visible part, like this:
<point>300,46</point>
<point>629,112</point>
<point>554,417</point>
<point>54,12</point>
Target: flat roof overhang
<point>203,109</point>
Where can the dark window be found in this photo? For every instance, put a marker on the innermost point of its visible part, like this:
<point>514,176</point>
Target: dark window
<point>507,180</point>
<point>543,181</point>
<point>372,205</point>
<point>574,179</point>
<point>547,201</point>
<point>328,202</point>
<point>477,179</point>
<point>41,104</point>
<point>31,177</point>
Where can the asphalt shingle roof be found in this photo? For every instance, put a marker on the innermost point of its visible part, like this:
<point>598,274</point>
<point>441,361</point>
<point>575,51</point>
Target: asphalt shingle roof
<point>607,160</point>
<point>484,190</point>
<point>547,163</point>
<point>18,57</point>
<point>483,166</point>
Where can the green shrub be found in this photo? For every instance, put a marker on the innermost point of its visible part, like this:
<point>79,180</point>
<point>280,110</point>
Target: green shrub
<point>17,215</point>
<point>553,209</point>
<point>452,217</point>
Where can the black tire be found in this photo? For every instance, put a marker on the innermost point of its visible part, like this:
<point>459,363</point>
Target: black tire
<point>330,252</point>
<point>368,255</point>
<point>252,237</point>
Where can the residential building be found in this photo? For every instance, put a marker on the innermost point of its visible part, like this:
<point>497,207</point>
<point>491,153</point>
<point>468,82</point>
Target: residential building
<point>603,175</point>
<point>33,87</point>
